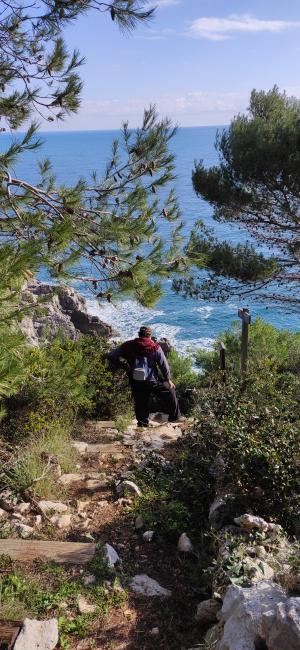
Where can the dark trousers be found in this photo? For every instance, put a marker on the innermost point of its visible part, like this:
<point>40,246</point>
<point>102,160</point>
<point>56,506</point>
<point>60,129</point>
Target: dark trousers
<point>142,392</point>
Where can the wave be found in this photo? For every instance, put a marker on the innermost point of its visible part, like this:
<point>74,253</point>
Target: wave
<point>127,316</point>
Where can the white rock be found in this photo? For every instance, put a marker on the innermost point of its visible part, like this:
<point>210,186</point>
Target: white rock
<point>260,551</point>
<point>37,635</point>
<point>242,613</point>
<point>184,544</point>
<point>148,535</point>
<point>23,530</point>
<point>103,503</point>
<point>251,522</point>
<point>110,555</point>
<point>89,579</point>
<point>207,611</point>
<point>82,506</point>
<point>281,627</point>
<point>80,446</point>
<point>22,508</point>
<point>94,484</point>
<point>154,631</point>
<point>38,521</point>
<point>3,513</point>
<point>145,586</point>
<point>128,487</point>
<point>61,521</point>
<point>52,506</point>
<point>139,522</point>
<point>84,607</point>
<point>69,479</point>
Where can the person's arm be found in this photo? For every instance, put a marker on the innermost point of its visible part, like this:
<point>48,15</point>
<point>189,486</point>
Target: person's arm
<point>164,367</point>
<point>115,356</point>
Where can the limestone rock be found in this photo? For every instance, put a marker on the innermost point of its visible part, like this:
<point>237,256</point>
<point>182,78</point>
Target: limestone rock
<point>110,555</point>
<point>281,627</point>
<point>47,507</point>
<point>63,310</point>
<point>6,501</point>
<point>61,521</point>
<point>82,506</point>
<point>207,611</point>
<point>38,635</point>
<point>128,487</point>
<point>69,479</point>
<point>84,607</point>
<point>94,484</point>
<point>154,631</point>
<point>242,613</point>
<point>145,586</point>
<point>89,579</point>
<point>23,530</point>
<point>80,446</point>
<point>184,544</point>
<point>148,535</point>
<point>3,513</point>
<point>251,522</point>
<point>22,508</point>
<point>139,522</point>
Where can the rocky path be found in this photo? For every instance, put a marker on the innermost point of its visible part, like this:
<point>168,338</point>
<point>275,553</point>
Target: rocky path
<point>97,505</point>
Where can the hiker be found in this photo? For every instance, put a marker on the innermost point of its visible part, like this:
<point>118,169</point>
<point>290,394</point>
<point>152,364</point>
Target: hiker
<point>145,359</point>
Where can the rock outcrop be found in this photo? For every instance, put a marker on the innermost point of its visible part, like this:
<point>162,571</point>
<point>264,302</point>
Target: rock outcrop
<point>58,309</point>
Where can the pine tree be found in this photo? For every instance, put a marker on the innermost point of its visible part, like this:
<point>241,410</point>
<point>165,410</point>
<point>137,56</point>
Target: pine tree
<point>102,231</point>
<point>256,185</point>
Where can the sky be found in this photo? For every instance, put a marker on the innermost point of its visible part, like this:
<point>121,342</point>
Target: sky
<point>198,61</point>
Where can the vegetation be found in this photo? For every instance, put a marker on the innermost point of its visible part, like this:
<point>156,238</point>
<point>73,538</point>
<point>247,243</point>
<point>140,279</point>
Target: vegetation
<point>255,186</point>
<point>51,590</point>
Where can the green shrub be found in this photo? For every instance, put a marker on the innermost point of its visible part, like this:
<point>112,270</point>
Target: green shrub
<point>279,348</point>
<point>29,466</point>
<point>109,393</point>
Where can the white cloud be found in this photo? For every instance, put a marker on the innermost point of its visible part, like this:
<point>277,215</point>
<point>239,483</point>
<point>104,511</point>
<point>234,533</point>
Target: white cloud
<point>219,29</point>
<point>166,3</point>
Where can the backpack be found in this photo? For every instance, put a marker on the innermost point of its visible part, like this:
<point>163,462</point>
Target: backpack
<point>141,370</point>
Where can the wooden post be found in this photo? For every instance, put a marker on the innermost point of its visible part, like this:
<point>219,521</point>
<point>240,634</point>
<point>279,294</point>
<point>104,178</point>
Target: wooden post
<point>246,320</point>
<point>223,359</point>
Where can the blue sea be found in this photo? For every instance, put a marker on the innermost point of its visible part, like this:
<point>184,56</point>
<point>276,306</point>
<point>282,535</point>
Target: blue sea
<point>189,324</point>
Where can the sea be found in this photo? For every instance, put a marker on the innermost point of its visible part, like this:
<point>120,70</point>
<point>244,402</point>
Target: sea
<point>188,324</point>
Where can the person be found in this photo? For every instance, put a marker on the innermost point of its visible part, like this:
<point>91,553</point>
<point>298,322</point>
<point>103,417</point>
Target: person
<point>145,359</point>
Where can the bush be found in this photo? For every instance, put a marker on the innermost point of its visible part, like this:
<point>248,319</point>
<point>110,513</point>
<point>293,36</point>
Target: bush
<point>279,348</point>
<point>35,466</point>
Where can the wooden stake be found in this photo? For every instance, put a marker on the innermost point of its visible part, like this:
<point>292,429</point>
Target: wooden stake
<point>246,320</point>
<point>223,359</point>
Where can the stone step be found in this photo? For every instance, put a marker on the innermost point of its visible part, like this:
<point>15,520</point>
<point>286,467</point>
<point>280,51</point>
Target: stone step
<point>96,448</point>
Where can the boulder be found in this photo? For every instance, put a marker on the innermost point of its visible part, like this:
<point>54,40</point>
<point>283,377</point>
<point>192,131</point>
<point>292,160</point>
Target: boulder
<point>22,529</point>
<point>139,522</point>
<point>145,586</point>
<point>84,607</point>
<point>80,446</point>
<point>69,479</point>
<point>110,555</point>
<point>281,626</point>
<point>60,308</point>
<point>47,507</point>
<point>251,522</point>
<point>184,544</point>
<point>37,635</point>
<point>243,611</point>
<point>22,508</point>
<point>61,521</point>
<point>207,611</point>
<point>148,535</point>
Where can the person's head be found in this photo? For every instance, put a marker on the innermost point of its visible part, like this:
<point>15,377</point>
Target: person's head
<point>145,332</point>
